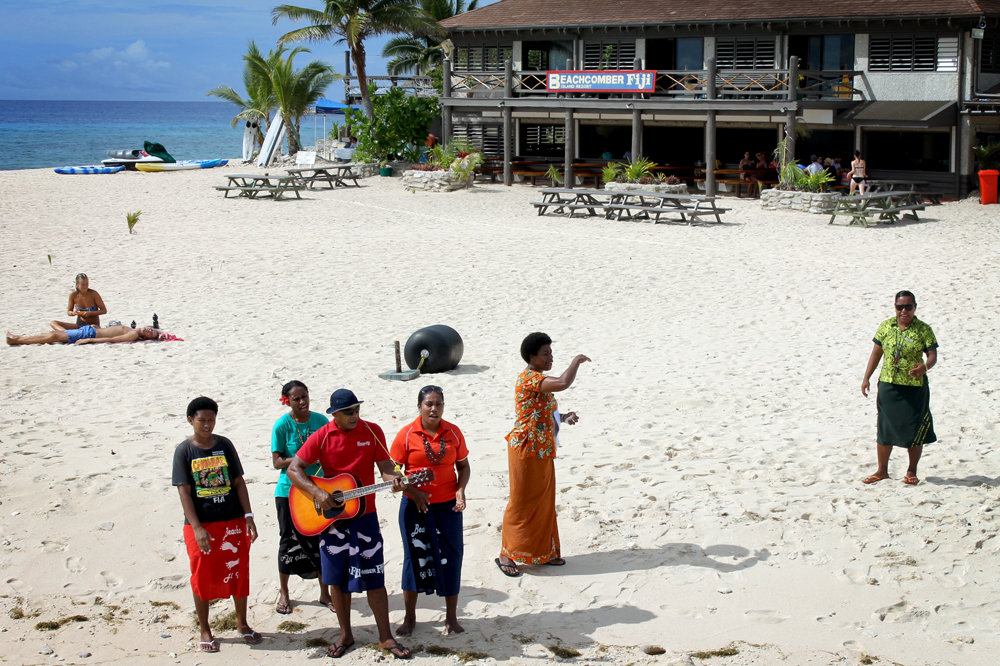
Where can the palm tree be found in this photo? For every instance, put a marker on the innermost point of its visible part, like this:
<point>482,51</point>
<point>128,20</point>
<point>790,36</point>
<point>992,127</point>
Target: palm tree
<point>353,21</point>
<point>294,90</point>
<point>259,102</point>
<point>421,55</point>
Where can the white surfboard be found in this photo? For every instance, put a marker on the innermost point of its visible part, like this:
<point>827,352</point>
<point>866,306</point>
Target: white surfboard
<point>275,134</point>
<point>248,142</point>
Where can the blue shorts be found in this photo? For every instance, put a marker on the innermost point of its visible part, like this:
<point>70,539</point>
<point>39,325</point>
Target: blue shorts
<point>83,333</point>
<point>351,555</point>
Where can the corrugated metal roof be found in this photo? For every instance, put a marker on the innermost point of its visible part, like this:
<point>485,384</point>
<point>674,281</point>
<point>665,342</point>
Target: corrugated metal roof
<point>518,13</point>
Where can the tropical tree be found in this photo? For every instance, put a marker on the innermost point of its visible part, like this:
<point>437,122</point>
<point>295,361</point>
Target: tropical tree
<point>294,90</point>
<point>423,54</point>
<point>259,102</point>
<point>352,22</point>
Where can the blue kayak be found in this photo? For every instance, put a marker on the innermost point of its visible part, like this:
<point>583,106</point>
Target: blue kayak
<point>90,169</point>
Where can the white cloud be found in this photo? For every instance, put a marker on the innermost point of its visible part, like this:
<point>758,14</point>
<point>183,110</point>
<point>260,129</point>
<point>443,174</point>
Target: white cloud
<point>136,56</point>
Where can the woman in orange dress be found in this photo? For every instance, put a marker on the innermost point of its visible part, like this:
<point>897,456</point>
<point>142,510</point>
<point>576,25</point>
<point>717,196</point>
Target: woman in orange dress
<point>530,531</point>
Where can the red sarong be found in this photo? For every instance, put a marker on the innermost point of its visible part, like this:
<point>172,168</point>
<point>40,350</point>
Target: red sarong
<point>225,570</point>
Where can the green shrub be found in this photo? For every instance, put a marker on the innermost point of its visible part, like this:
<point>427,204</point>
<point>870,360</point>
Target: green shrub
<point>398,127</point>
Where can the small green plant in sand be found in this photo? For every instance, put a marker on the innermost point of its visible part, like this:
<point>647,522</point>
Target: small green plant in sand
<point>132,219</point>
<point>291,627</point>
<point>564,653</point>
<point>610,172</point>
<point>50,259</point>
<point>226,622</point>
<point>317,642</point>
<point>554,175</point>
<point>724,652</point>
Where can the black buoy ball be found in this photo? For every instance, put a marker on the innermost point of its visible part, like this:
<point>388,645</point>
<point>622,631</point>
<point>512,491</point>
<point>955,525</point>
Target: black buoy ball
<point>444,349</point>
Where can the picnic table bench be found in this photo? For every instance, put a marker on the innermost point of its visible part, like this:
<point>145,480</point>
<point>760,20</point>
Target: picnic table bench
<point>880,207</point>
<point>567,200</point>
<point>636,204</point>
<point>918,187</point>
<point>639,204</point>
<point>334,176</point>
<point>254,186</point>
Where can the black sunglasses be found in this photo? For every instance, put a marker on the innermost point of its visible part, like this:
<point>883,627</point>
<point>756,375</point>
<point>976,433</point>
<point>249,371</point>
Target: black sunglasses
<point>906,306</point>
<point>350,412</point>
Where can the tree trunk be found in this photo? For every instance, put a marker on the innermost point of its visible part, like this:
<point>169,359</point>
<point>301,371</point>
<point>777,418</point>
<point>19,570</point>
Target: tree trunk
<point>293,138</point>
<point>358,56</point>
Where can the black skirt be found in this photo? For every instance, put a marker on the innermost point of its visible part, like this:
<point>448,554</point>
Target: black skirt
<point>904,415</point>
<point>297,554</point>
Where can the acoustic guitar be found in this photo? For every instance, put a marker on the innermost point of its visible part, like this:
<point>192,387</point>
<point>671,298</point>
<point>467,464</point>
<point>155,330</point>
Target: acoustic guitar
<point>311,519</point>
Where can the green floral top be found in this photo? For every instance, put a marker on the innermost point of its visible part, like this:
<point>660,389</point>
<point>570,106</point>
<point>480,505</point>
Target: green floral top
<point>533,435</point>
<point>911,344</point>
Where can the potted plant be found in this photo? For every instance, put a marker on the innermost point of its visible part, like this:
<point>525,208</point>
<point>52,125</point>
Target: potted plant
<point>384,169</point>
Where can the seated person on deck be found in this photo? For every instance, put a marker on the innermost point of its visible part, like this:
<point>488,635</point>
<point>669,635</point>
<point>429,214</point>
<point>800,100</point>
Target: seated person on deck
<point>86,335</point>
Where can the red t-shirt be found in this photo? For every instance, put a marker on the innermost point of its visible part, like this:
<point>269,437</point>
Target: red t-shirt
<point>352,452</point>
<point>408,450</point>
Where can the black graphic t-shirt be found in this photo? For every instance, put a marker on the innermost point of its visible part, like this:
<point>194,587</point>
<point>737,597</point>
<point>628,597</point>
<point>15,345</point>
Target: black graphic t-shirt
<point>210,473</point>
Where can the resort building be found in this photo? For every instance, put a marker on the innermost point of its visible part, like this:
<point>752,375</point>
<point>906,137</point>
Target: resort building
<point>913,84</point>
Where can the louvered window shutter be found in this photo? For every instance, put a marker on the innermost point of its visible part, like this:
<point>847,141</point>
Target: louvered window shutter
<point>725,54</point>
<point>947,54</point>
<point>989,56</point>
<point>879,54</point>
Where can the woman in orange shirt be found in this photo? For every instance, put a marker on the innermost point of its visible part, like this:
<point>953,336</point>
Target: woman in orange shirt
<point>530,531</point>
<point>430,520</point>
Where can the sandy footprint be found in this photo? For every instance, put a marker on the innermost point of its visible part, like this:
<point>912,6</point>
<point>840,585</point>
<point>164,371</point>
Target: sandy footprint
<point>54,546</point>
<point>19,586</point>
<point>111,579</point>
<point>766,616</point>
<point>174,582</point>
<point>75,565</point>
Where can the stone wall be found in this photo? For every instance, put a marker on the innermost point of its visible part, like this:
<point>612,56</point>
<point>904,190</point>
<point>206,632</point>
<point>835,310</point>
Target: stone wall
<point>813,202</point>
<point>432,181</point>
<point>676,188</point>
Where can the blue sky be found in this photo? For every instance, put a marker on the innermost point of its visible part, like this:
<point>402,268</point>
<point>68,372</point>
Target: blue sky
<point>143,51</point>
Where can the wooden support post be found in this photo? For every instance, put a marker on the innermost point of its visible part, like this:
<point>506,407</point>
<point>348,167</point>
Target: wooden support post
<point>446,128</point>
<point>793,94</point>
<point>508,139</point>
<point>569,154</point>
<point>710,151</point>
<point>636,120</point>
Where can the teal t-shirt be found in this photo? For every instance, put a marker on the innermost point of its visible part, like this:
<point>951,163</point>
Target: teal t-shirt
<point>286,439</point>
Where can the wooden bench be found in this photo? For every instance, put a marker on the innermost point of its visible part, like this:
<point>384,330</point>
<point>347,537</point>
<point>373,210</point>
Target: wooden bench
<point>890,215</point>
<point>251,192</point>
<point>559,208</point>
<point>532,175</point>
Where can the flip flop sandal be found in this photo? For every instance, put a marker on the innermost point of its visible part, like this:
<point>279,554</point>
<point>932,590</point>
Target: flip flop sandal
<point>399,651</point>
<point>212,646</point>
<point>554,563</point>
<point>283,609</point>
<point>911,480</point>
<point>873,479</point>
<point>339,650</point>
<point>512,565</point>
<point>253,638</point>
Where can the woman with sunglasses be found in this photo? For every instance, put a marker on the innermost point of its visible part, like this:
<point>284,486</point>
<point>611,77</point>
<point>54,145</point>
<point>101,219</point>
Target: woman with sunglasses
<point>904,415</point>
<point>431,519</point>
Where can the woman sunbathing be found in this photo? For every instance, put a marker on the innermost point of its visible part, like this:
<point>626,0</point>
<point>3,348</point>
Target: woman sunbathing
<point>85,304</point>
<point>87,334</point>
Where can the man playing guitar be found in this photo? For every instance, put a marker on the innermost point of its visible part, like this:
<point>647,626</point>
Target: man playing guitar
<point>351,550</point>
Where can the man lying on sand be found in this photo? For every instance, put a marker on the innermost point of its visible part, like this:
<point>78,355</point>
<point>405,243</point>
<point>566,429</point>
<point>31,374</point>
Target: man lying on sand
<point>86,335</point>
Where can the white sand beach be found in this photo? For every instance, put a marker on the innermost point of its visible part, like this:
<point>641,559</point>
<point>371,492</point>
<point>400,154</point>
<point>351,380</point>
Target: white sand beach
<point>709,497</point>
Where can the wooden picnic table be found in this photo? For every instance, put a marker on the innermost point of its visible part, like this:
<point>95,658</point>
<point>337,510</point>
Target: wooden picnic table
<point>877,208</point>
<point>636,204</point>
<point>334,176</point>
<point>917,186</point>
<point>564,200</point>
<point>255,185</point>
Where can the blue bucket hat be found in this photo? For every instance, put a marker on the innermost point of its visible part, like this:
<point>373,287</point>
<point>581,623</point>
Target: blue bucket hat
<point>342,399</point>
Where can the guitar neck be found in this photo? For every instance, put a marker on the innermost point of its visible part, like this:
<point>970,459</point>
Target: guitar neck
<point>368,490</point>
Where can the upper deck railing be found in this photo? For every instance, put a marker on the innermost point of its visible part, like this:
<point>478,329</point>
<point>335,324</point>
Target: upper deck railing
<point>681,84</point>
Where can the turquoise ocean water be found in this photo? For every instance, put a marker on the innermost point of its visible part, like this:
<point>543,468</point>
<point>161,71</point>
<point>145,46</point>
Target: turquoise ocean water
<point>53,134</point>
